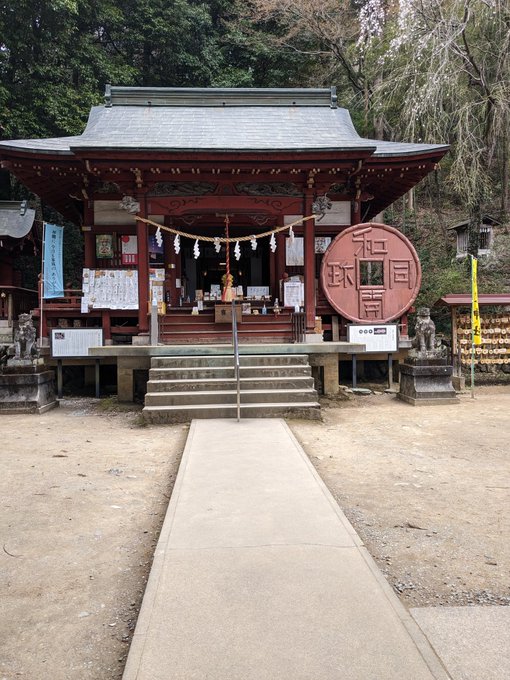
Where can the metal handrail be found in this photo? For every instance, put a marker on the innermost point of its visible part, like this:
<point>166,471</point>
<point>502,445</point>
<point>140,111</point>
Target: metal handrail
<point>235,342</point>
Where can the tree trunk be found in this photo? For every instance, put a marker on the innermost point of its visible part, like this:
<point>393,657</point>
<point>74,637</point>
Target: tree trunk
<point>410,200</point>
<point>505,178</point>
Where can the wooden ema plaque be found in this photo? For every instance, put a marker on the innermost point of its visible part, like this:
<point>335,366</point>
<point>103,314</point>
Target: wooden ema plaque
<point>371,272</point>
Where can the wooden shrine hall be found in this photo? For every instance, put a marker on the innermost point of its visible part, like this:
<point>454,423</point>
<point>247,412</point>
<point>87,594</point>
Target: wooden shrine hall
<point>187,159</point>
<point>181,192</point>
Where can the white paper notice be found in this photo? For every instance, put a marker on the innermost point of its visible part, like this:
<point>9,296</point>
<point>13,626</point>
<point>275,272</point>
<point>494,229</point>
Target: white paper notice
<point>110,289</point>
<point>293,294</point>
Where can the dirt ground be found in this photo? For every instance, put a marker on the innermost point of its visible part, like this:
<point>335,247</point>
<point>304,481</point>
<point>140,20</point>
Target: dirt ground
<point>84,490</point>
<point>427,489</point>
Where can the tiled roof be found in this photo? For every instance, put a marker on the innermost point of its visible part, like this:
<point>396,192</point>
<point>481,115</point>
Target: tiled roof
<point>465,299</point>
<point>16,219</point>
<point>194,120</point>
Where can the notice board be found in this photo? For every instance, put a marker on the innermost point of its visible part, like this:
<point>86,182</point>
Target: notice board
<point>74,342</point>
<point>375,337</point>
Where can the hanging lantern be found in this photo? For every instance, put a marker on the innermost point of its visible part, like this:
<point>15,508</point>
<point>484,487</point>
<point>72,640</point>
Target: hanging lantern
<point>217,244</point>
<point>272,243</point>
<point>196,250</point>
<point>237,251</point>
<point>291,235</point>
<point>177,244</point>
<point>159,237</point>
<point>253,242</point>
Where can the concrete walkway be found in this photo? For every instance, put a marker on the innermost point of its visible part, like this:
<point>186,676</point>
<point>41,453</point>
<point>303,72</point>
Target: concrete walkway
<point>258,575</point>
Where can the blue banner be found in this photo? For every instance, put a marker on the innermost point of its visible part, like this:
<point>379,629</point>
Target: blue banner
<point>53,278</point>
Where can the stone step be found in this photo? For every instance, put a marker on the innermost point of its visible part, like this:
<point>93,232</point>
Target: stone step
<point>227,372</point>
<point>184,413</point>
<point>188,319</point>
<point>261,383</point>
<point>228,360</point>
<point>223,340</point>
<point>213,397</point>
<point>184,387</point>
<point>258,322</point>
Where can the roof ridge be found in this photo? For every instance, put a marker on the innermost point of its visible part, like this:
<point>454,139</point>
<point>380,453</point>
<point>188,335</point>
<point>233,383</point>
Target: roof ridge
<point>219,96</point>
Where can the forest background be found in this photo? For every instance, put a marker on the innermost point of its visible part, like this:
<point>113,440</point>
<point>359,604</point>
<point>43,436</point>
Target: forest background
<point>414,70</point>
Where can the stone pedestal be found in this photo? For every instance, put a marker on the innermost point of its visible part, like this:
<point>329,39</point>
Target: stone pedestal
<point>459,383</point>
<point>329,364</point>
<point>141,339</point>
<point>26,387</point>
<point>427,383</point>
<point>314,337</point>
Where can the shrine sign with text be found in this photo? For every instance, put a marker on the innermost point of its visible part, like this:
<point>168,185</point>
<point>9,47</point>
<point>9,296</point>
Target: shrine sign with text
<point>371,272</point>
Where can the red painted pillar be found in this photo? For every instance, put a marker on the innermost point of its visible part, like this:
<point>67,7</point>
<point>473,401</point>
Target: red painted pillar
<point>89,259</point>
<point>106,324</point>
<point>280,255</point>
<point>142,233</point>
<point>89,249</point>
<point>309,247</point>
<point>171,274</point>
<point>273,282</point>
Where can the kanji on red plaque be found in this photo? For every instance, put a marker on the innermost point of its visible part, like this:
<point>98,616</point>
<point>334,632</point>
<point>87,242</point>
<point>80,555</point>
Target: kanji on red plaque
<point>371,272</point>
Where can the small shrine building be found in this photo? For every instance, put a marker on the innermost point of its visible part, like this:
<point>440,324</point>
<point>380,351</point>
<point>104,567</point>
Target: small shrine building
<point>17,237</point>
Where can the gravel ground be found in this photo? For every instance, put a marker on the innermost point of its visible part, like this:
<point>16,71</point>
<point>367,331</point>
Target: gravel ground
<point>427,489</point>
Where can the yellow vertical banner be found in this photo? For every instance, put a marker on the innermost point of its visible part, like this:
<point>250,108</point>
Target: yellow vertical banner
<point>475,311</point>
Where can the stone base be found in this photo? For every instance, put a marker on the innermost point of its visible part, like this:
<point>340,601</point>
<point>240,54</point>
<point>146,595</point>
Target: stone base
<point>459,383</point>
<point>314,337</point>
<point>142,339</point>
<point>428,402</point>
<point>426,385</point>
<point>29,392</point>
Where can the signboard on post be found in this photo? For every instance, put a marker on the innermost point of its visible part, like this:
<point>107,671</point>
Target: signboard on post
<point>375,337</point>
<point>74,342</point>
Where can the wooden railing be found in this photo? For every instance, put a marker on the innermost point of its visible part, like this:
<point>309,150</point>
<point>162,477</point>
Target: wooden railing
<point>298,326</point>
<point>15,301</point>
<point>71,298</point>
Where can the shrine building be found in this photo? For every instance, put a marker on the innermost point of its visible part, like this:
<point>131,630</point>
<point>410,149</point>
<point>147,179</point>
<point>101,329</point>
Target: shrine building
<point>283,170</point>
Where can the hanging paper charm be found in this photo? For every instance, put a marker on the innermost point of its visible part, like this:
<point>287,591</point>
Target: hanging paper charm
<point>237,251</point>
<point>253,243</point>
<point>217,244</point>
<point>272,243</point>
<point>291,235</point>
<point>196,250</point>
<point>177,244</point>
<point>159,237</point>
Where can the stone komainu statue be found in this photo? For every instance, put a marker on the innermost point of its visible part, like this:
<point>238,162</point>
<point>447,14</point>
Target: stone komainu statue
<point>24,338</point>
<point>425,338</point>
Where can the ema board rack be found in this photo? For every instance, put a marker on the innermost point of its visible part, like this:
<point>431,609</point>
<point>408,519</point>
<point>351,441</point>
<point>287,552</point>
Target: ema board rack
<point>495,347</point>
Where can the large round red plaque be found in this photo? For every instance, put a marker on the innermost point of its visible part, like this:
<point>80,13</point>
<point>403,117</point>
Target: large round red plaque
<point>371,272</point>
